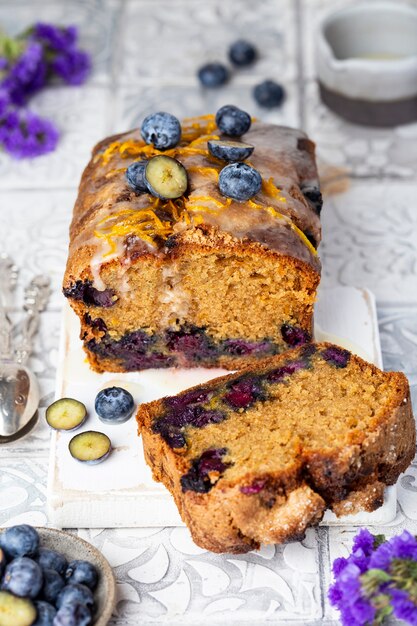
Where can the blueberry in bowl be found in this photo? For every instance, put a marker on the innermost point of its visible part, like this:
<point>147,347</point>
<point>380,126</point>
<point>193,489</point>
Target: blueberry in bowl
<point>29,593</point>
<point>114,405</point>
<point>21,540</point>
<point>233,121</point>
<point>242,53</point>
<point>213,75</point>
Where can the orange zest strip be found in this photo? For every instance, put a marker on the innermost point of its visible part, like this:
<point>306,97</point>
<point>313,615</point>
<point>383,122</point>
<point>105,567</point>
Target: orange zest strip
<point>205,171</point>
<point>269,188</point>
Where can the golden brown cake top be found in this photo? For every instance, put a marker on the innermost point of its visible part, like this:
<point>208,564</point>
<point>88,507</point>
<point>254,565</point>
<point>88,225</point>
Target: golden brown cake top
<point>111,221</point>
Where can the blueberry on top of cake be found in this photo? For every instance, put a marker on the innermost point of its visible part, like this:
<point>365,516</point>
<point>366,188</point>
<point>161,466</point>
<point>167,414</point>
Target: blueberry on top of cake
<point>257,456</point>
<point>193,244</point>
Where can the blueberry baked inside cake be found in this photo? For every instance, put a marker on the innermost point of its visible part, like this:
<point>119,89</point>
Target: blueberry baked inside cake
<point>195,244</point>
<point>256,457</point>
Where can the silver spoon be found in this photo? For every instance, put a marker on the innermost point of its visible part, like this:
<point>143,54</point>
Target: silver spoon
<point>19,390</point>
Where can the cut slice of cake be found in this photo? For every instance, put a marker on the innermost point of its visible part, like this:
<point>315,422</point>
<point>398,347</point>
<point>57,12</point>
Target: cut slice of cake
<point>202,279</point>
<point>256,457</point>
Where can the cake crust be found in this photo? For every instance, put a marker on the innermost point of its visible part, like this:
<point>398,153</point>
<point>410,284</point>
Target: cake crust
<point>286,500</point>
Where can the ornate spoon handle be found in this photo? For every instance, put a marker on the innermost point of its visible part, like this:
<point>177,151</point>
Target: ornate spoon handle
<point>36,298</point>
<point>8,280</point>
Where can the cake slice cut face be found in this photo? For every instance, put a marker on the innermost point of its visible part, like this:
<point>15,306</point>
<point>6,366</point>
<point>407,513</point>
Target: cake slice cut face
<point>257,457</point>
<point>203,279</point>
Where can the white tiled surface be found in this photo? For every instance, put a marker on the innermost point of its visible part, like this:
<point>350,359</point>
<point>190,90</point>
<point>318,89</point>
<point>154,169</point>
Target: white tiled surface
<point>145,53</point>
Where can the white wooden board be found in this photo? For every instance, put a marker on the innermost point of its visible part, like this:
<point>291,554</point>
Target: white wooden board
<point>120,491</point>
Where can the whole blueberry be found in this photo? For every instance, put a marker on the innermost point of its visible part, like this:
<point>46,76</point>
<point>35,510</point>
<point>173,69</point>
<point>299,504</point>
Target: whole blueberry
<point>50,559</point>
<point>242,53</point>
<point>46,613</point>
<point>74,593</point>
<point>161,129</point>
<point>269,94</point>
<point>213,75</point>
<point>73,615</point>
<point>23,577</point>
<point>22,540</point>
<point>135,176</point>
<point>239,181</point>
<point>52,585</point>
<point>114,405</point>
<point>82,572</point>
<point>233,121</point>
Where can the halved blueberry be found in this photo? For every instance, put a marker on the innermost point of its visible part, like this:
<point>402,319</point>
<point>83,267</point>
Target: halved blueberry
<point>114,405</point>
<point>213,75</point>
<point>135,176</point>
<point>66,414</point>
<point>16,611</point>
<point>239,181</point>
<point>161,129</point>
<point>23,577</point>
<point>233,121</point>
<point>269,94</point>
<point>165,177</point>
<point>20,540</point>
<point>242,53</point>
<point>83,572</point>
<point>90,447</point>
<point>231,151</point>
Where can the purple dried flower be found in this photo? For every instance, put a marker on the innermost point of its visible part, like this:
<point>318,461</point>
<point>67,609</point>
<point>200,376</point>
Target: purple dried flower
<point>404,546</point>
<point>55,37</point>
<point>364,540</point>
<point>72,65</point>
<point>377,579</point>
<point>382,557</point>
<point>26,75</point>
<point>25,134</point>
<point>403,607</point>
<point>4,102</point>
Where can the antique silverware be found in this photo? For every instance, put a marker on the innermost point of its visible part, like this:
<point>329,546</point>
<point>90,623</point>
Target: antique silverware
<point>19,390</point>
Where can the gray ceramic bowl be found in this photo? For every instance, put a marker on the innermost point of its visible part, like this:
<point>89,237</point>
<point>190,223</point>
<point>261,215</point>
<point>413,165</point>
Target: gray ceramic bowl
<point>72,547</point>
<point>366,60</point>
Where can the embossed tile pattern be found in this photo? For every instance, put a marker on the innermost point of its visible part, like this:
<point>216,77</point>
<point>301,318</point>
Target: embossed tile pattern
<point>362,151</point>
<point>369,239</point>
<point>180,37</point>
<point>35,234</point>
<point>171,577</point>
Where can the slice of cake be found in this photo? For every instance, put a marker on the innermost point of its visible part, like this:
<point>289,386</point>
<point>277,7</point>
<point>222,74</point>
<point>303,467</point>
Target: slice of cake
<point>256,457</point>
<point>205,278</point>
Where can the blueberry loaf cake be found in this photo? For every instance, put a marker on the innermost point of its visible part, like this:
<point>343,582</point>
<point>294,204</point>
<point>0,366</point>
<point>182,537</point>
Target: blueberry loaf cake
<point>195,244</point>
<point>257,456</point>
